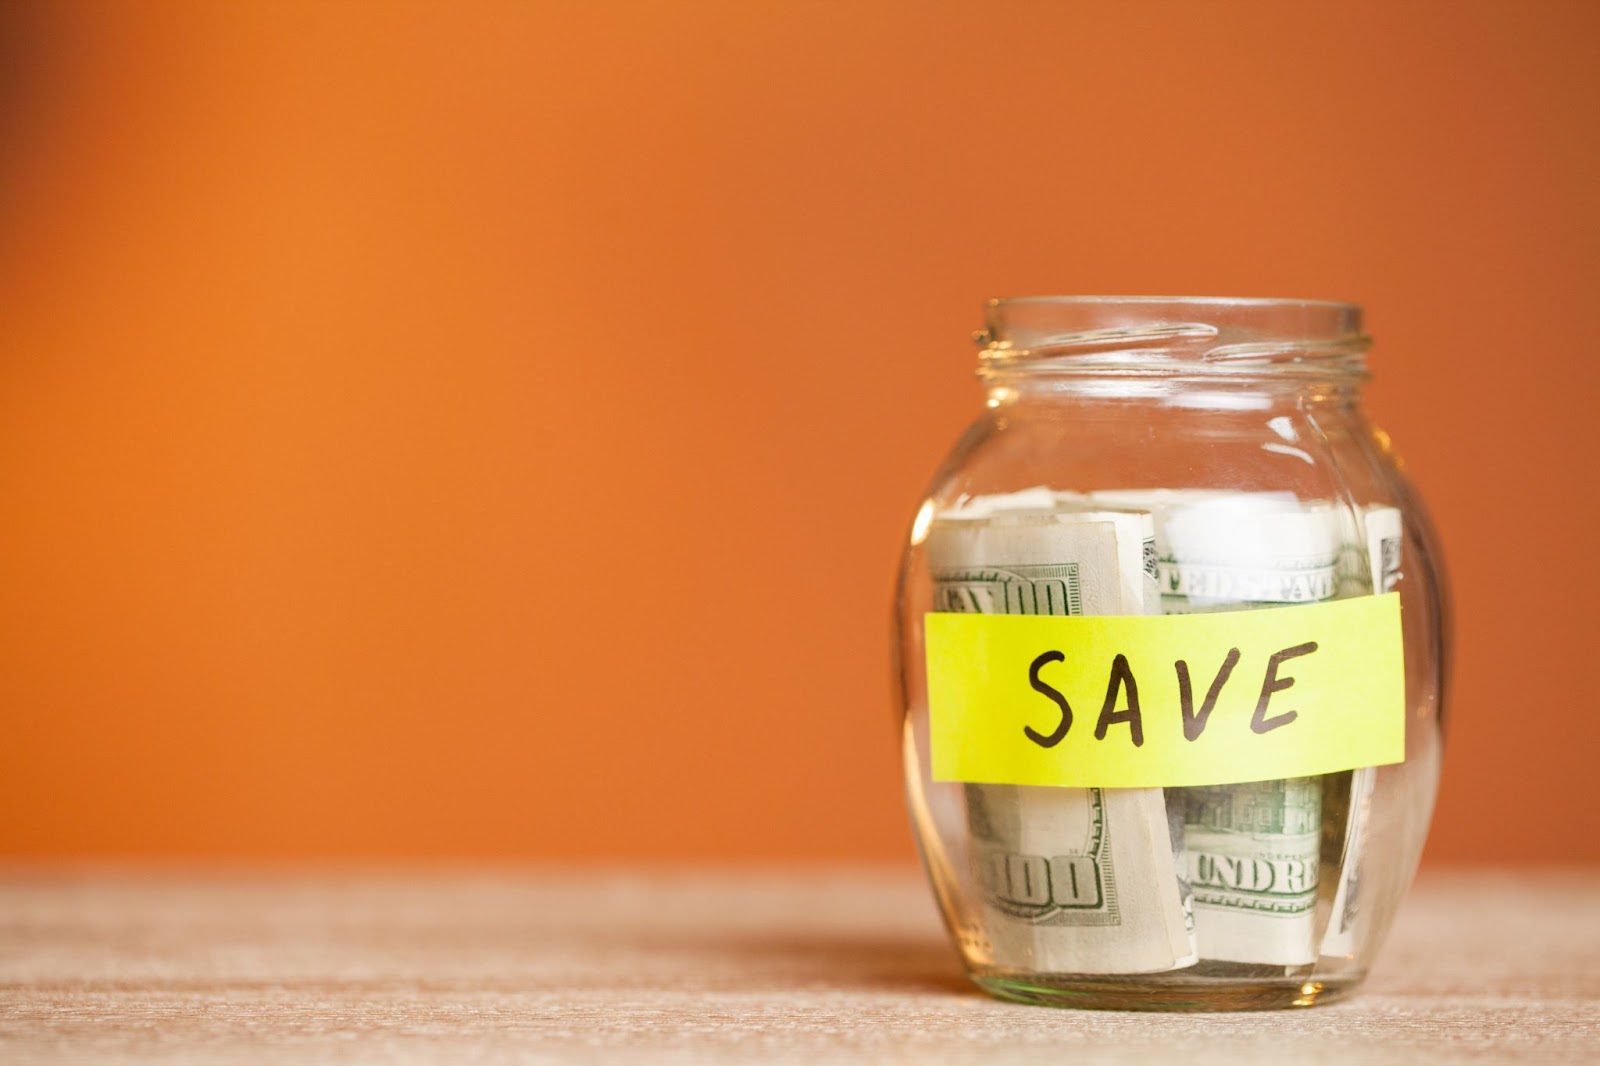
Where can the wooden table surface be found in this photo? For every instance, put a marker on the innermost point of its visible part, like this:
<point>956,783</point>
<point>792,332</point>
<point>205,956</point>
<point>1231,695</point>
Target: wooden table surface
<point>777,966</point>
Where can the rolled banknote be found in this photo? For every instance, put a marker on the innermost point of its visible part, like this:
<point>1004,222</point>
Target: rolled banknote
<point>1254,854</point>
<point>1228,551</point>
<point>1074,880</point>
<point>1253,849</point>
<point>1378,537</point>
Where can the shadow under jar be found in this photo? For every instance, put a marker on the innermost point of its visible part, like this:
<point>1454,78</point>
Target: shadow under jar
<point>1150,456</point>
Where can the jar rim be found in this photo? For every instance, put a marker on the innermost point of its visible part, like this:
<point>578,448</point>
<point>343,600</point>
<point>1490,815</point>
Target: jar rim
<point>1205,301</point>
<point>1171,334</point>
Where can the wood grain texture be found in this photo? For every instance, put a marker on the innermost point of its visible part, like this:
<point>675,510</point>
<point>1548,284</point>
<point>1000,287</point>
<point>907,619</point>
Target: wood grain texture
<point>778,966</point>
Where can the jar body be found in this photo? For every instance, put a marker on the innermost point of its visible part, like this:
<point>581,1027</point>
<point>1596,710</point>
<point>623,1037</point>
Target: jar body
<point>1263,485</point>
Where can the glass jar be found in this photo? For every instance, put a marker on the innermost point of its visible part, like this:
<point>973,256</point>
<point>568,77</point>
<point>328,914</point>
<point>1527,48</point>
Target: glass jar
<point>1160,459</point>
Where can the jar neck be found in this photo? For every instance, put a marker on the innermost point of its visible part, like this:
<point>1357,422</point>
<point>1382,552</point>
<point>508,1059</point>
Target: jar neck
<point>1185,350</point>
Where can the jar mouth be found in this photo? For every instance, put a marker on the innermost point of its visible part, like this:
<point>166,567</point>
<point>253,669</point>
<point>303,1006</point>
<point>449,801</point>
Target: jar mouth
<point>1206,335</point>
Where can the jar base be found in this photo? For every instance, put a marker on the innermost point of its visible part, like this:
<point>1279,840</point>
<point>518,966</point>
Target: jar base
<point>1153,992</point>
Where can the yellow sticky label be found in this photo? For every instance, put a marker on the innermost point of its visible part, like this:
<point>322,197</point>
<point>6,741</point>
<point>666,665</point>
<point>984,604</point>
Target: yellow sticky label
<point>1143,702</point>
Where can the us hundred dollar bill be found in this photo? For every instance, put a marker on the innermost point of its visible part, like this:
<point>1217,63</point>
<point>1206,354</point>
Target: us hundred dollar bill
<point>1380,533</point>
<point>1227,551</point>
<point>1253,849</point>
<point>1074,880</point>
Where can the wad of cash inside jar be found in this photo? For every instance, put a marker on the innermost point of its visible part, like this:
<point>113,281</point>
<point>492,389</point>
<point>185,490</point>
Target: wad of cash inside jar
<point>1143,880</point>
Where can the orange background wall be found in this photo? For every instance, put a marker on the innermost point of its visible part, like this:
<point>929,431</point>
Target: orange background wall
<point>488,429</point>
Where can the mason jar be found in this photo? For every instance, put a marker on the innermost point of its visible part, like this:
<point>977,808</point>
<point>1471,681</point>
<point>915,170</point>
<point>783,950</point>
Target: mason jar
<point>1170,651</point>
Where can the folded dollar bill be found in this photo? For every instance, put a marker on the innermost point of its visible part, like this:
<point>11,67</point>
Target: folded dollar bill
<point>1074,880</point>
<point>1253,850</point>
